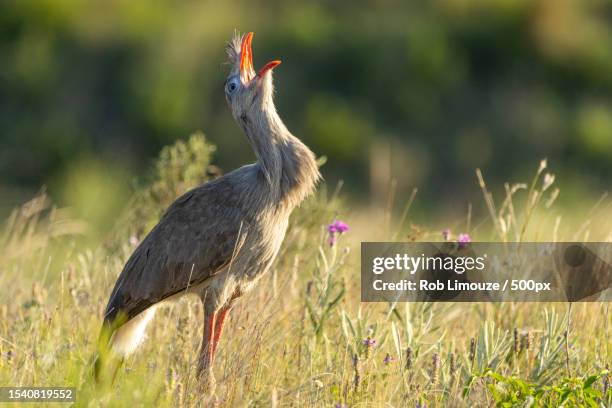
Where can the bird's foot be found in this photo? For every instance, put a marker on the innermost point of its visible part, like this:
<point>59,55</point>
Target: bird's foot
<point>207,381</point>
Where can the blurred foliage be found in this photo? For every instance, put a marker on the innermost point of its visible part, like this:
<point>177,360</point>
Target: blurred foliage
<point>96,192</point>
<point>179,168</point>
<point>445,85</point>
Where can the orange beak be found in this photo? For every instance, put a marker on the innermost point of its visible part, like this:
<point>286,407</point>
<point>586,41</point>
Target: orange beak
<point>247,72</point>
<point>268,67</point>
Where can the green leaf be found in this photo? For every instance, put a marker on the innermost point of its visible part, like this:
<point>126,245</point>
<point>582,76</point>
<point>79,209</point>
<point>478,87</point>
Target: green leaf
<point>565,395</point>
<point>311,314</point>
<point>589,381</point>
<point>468,386</point>
<point>496,376</point>
<point>336,299</point>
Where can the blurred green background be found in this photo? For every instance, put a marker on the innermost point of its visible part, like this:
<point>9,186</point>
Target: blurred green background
<point>417,92</point>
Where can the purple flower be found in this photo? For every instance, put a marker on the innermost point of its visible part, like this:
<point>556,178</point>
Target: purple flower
<point>446,234</point>
<point>388,359</point>
<point>369,342</point>
<point>339,227</point>
<point>334,229</point>
<point>339,405</point>
<point>463,240</point>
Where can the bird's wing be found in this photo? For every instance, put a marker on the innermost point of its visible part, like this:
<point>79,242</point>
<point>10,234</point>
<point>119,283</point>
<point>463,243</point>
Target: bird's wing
<point>199,234</point>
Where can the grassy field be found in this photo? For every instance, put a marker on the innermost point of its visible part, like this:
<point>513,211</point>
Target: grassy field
<point>303,338</point>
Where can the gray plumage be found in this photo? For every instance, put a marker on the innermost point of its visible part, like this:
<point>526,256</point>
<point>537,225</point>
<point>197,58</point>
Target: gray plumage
<point>219,238</point>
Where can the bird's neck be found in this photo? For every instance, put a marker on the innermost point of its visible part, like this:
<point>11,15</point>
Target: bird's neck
<point>287,164</point>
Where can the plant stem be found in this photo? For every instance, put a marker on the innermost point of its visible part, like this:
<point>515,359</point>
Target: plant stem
<point>567,332</point>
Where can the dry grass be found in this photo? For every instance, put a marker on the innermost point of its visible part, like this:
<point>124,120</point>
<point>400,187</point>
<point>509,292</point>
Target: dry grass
<point>298,339</point>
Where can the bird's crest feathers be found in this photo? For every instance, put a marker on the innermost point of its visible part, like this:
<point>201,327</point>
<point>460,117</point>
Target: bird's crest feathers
<point>233,47</point>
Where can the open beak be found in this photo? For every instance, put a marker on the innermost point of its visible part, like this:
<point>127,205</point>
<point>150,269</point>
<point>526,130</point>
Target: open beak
<point>247,72</point>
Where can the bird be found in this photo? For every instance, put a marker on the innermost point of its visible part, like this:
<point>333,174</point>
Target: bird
<point>218,239</point>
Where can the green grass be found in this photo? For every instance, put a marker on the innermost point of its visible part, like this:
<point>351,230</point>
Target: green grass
<point>298,339</point>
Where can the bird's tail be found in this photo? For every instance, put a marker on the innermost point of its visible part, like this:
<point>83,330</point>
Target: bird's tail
<point>118,338</point>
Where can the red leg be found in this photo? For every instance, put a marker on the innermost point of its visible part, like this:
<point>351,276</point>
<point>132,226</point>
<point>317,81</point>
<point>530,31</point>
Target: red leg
<point>221,315</point>
<point>205,361</point>
<point>208,347</point>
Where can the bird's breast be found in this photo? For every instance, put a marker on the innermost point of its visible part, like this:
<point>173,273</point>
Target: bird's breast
<point>262,246</point>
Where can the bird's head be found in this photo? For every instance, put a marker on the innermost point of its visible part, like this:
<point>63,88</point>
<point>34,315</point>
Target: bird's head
<point>247,91</point>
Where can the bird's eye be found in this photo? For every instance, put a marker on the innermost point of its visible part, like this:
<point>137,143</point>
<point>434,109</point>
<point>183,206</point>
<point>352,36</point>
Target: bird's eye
<point>232,85</point>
